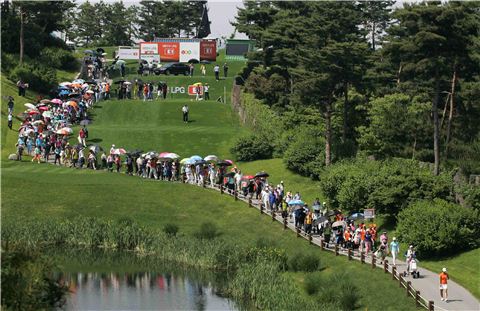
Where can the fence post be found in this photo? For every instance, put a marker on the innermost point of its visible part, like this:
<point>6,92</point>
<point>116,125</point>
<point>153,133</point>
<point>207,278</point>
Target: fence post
<point>373,261</point>
<point>431,306</point>
<point>310,238</point>
<point>273,215</point>
<point>408,287</point>
<point>394,270</point>
<point>235,194</point>
<point>385,266</point>
<point>221,189</point>
<point>321,243</point>
<point>336,249</point>
<point>204,183</point>
<point>399,279</point>
<point>250,202</point>
<point>362,257</point>
<point>261,208</point>
<point>284,223</point>
<point>349,254</point>
<point>298,232</point>
<point>417,298</point>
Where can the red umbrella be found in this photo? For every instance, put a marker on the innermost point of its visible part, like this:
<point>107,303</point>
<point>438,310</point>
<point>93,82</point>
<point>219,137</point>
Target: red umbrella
<point>32,112</point>
<point>43,108</point>
<point>57,101</point>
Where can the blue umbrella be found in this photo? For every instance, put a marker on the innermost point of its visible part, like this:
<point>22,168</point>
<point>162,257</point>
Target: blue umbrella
<point>189,162</point>
<point>63,87</point>
<point>296,202</point>
<point>64,92</point>
<point>196,158</point>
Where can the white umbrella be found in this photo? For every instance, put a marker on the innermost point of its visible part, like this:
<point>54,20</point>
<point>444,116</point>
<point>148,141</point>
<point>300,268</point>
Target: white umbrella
<point>90,92</point>
<point>65,83</point>
<point>38,122</point>
<point>213,158</point>
<point>30,106</point>
<point>47,114</point>
<point>172,156</point>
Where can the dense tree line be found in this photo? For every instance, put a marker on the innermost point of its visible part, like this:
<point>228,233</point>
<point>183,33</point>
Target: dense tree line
<point>102,23</point>
<point>368,79</point>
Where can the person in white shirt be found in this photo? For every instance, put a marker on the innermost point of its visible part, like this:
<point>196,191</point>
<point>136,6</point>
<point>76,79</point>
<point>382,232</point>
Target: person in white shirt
<point>185,113</point>
<point>206,95</point>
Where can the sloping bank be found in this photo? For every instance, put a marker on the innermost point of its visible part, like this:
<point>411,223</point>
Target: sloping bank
<point>258,272</point>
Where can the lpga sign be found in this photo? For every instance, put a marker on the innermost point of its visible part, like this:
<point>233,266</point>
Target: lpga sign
<point>191,89</point>
<point>369,213</point>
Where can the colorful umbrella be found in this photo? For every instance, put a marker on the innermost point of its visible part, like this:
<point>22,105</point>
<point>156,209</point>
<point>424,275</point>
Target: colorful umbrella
<point>172,156</point>
<point>57,101</point>
<point>45,101</point>
<point>65,83</point>
<point>32,112</point>
<point>30,106</point>
<point>80,81</point>
<point>184,160</point>
<point>63,132</point>
<point>47,114</point>
<point>73,104</point>
<point>196,158</point>
<point>119,151</point>
<point>90,92</point>
<point>296,202</point>
<point>43,108</point>
<point>229,161</point>
<point>38,122</point>
<point>163,154</point>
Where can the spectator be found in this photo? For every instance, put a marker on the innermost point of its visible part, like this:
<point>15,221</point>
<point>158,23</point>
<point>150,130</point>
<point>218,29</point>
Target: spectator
<point>216,70</point>
<point>225,70</point>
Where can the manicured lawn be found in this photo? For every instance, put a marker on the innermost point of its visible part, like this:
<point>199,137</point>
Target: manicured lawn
<point>158,125</point>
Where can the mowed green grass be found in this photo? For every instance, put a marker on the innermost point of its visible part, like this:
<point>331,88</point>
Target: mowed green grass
<point>42,191</point>
<point>212,129</point>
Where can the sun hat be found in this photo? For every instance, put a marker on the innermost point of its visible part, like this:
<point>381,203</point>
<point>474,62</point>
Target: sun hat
<point>394,238</point>
<point>444,269</point>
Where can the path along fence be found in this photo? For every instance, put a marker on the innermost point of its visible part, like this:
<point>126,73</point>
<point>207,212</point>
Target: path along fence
<point>371,260</point>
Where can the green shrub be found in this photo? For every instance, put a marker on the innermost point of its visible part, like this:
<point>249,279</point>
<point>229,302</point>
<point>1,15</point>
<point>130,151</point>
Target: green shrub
<point>59,59</point>
<point>471,194</point>
<point>312,282</point>
<point>438,227</point>
<point>304,262</point>
<point>388,186</point>
<point>40,78</point>
<point>170,229</point>
<point>207,231</point>
<point>253,147</point>
<point>9,61</point>
<point>339,290</point>
<point>27,282</point>
<point>305,152</point>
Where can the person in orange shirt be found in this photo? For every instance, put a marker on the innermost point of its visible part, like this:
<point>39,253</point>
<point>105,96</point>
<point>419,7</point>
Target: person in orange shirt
<point>443,284</point>
<point>347,237</point>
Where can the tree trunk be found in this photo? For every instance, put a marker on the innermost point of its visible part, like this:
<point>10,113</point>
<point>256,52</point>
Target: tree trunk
<point>373,36</point>
<point>444,111</point>
<point>400,68</point>
<point>436,146</point>
<point>345,112</point>
<point>21,36</point>
<point>328,132</point>
<point>450,114</point>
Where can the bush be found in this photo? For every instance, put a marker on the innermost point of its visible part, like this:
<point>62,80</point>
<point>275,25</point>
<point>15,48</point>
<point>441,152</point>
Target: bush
<point>312,282</point>
<point>471,194</point>
<point>40,78</point>
<point>438,227</point>
<point>304,262</point>
<point>339,289</point>
<point>170,229</point>
<point>208,231</point>
<point>388,186</point>
<point>59,58</point>
<point>253,147</point>
<point>305,152</point>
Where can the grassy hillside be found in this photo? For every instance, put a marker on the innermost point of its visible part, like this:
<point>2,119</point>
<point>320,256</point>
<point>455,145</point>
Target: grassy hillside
<point>158,126</point>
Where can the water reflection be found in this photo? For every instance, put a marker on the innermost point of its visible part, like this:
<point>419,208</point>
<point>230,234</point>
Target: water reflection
<point>140,291</point>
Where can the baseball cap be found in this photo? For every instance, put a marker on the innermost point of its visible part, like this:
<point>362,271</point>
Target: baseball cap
<point>444,269</point>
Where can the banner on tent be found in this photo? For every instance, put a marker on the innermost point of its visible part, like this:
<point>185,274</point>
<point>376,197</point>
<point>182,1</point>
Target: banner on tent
<point>128,53</point>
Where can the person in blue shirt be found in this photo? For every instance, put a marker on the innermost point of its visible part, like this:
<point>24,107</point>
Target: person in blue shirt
<point>394,249</point>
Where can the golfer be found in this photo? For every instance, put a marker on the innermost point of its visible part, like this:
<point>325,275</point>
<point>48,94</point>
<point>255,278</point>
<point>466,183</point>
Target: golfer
<point>185,113</point>
<point>443,285</point>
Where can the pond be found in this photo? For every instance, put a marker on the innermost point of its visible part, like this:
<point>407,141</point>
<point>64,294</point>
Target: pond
<point>103,280</point>
<point>141,291</point>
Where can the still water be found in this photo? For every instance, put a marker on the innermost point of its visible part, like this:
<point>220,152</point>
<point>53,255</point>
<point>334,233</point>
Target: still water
<point>141,291</point>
